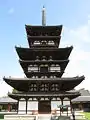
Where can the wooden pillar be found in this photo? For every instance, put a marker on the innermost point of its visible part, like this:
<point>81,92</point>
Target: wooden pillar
<point>49,85</point>
<point>60,107</point>
<point>62,101</point>
<point>50,99</point>
<point>60,111</point>
<point>71,105</point>
<point>73,114</point>
<point>38,68</point>
<point>67,111</point>
<point>9,107</point>
<point>62,104</point>
<point>26,104</point>
<point>17,106</point>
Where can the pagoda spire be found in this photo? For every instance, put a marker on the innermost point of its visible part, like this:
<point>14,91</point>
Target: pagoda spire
<point>43,16</point>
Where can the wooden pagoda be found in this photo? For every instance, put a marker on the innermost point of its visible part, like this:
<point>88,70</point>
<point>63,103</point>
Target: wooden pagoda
<point>43,64</point>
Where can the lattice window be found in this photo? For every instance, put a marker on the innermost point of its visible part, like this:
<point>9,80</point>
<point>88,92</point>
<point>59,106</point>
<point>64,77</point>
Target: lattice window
<point>55,68</point>
<point>51,43</point>
<point>44,87</point>
<point>36,43</point>
<point>33,87</point>
<point>32,68</point>
<point>55,87</point>
<point>58,68</point>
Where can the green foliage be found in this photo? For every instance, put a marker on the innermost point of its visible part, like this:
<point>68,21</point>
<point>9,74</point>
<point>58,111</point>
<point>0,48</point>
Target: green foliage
<point>0,107</point>
<point>14,91</point>
<point>1,116</point>
<point>87,115</point>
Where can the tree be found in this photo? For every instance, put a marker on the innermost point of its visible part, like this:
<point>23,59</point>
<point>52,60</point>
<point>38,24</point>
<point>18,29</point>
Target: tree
<point>14,91</point>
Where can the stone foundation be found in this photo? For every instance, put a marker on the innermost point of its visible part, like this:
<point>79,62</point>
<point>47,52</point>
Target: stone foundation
<point>20,117</point>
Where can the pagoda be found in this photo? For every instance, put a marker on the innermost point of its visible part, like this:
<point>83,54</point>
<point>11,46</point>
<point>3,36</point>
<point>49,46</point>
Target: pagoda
<point>43,63</point>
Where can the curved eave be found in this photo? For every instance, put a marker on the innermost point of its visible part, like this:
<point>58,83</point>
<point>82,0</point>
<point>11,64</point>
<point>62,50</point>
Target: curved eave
<point>69,95</point>
<point>31,29</point>
<point>56,53</point>
<point>25,63</point>
<point>65,84</point>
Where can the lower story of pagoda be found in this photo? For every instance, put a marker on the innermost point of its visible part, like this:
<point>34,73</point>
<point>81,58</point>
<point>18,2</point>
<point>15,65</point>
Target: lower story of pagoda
<point>44,102</point>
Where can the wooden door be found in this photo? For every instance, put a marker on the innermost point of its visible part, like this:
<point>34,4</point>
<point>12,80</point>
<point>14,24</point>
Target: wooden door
<point>44,107</point>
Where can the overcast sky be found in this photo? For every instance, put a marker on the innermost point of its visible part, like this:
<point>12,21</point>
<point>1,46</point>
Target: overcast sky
<point>74,15</point>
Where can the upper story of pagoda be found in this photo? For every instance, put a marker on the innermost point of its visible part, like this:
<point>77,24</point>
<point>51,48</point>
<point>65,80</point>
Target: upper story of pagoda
<point>43,57</point>
<point>43,36</point>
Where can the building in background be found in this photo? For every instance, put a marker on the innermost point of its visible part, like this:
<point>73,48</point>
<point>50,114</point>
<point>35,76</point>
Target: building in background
<point>82,102</point>
<point>8,104</point>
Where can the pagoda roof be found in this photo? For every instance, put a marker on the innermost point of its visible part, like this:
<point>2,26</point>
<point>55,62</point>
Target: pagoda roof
<point>43,29</point>
<point>23,84</point>
<point>50,96</point>
<point>56,53</point>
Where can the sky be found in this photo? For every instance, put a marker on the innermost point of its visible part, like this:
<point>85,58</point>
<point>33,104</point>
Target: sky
<point>74,15</point>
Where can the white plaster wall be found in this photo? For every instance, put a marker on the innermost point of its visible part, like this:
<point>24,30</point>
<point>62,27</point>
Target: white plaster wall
<point>22,107</point>
<point>32,68</point>
<point>66,102</point>
<point>32,106</point>
<point>54,68</point>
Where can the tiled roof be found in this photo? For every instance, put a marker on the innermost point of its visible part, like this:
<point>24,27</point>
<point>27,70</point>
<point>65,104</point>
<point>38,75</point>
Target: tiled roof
<point>84,92</point>
<point>7,99</point>
<point>85,96</point>
<point>82,99</point>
